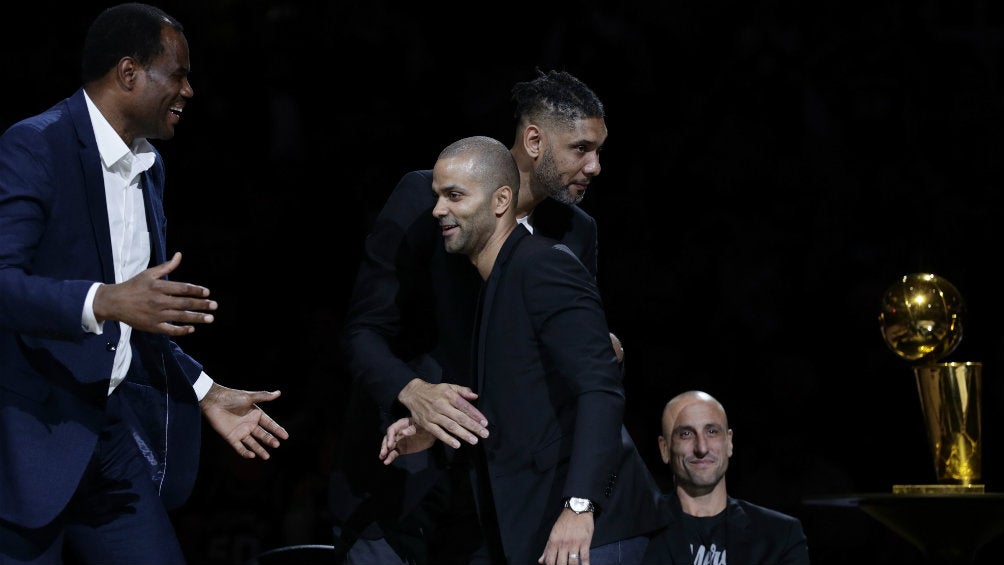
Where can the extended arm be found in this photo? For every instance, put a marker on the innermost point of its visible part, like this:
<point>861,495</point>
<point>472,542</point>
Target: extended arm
<point>380,336</point>
<point>235,415</point>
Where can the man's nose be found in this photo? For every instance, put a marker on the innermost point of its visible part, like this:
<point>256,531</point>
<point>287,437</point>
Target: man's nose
<point>701,447</point>
<point>592,167</point>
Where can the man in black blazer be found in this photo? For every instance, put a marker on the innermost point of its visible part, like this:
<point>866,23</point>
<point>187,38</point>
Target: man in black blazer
<point>407,340</point>
<point>558,473</point>
<point>705,524</point>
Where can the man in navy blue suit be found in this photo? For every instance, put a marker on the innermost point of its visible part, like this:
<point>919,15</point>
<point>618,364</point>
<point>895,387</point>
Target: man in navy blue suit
<point>558,477</point>
<point>100,410</point>
<point>706,524</point>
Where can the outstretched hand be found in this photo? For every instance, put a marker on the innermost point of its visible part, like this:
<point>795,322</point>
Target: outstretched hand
<point>235,415</point>
<point>444,410</point>
<point>149,303</point>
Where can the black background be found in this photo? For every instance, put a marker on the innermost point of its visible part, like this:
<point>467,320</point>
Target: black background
<point>772,168</point>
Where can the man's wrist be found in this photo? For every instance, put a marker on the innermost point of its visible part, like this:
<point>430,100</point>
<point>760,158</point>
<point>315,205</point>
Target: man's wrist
<point>408,392</point>
<point>579,505</point>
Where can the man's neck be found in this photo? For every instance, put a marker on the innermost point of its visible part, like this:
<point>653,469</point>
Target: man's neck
<point>703,503</point>
<point>527,199</point>
<point>484,260</point>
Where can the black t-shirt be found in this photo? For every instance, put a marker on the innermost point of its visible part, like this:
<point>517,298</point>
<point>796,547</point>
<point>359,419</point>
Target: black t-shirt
<point>707,537</point>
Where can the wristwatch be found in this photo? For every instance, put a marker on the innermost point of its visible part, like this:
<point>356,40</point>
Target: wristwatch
<point>579,505</point>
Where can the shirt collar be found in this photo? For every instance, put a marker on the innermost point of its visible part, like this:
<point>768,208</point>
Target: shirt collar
<point>111,147</point>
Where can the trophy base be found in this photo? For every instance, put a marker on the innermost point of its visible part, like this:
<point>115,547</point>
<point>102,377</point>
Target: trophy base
<point>937,489</point>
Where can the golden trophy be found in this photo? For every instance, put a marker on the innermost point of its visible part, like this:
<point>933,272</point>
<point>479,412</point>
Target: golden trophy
<point>921,321</point>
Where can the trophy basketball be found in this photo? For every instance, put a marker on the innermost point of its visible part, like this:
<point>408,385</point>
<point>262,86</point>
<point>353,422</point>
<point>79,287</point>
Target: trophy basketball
<point>921,321</point>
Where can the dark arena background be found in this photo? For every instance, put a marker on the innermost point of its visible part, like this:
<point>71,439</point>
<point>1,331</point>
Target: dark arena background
<point>772,168</point>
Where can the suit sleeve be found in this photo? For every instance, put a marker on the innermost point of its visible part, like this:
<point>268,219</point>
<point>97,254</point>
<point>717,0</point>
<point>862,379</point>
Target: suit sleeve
<point>567,314</point>
<point>29,303</point>
<point>389,265</point>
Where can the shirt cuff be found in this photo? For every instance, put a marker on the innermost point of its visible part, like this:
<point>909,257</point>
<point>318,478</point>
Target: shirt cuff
<point>87,320</point>
<point>202,386</point>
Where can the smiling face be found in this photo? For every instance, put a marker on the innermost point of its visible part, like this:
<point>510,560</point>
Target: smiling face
<point>464,207</point>
<point>570,158</point>
<point>162,89</point>
<point>696,442</point>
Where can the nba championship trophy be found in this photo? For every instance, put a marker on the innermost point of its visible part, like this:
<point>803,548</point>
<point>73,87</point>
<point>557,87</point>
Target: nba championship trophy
<point>921,321</point>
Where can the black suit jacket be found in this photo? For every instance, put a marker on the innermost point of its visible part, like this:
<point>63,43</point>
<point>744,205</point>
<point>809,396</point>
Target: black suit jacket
<point>756,536</point>
<point>412,311</point>
<point>550,386</point>
<point>411,297</point>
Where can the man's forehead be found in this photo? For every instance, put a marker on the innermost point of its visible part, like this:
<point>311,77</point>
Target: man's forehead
<point>586,130</point>
<point>455,173</point>
<point>590,131</point>
<point>456,164</point>
<point>694,412</point>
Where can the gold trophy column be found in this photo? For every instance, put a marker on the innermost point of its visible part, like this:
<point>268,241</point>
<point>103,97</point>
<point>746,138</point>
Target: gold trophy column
<point>921,321</point>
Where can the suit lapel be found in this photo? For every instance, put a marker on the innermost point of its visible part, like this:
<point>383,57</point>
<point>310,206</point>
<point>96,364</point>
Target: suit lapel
<point>488,291</point>
<point>740,537</point>
<point>154,216</point>
<point>94,183</point>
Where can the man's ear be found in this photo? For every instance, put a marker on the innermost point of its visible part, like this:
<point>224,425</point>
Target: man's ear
<point>532,140</point>
<point>503,199</point>
<point>664,449</point>
<point>127,72</point>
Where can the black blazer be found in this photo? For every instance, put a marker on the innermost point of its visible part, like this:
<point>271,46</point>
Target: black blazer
<point>551,388</point>
<point>412,310</point>
<point>411,297</point>
<point>756,536</point>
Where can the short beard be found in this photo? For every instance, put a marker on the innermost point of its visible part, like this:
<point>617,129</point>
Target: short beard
<point>550,179</point>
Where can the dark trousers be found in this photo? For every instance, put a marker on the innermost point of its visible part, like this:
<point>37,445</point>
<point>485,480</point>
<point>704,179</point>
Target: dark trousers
<point>115,516</point>
<point>458,515</point>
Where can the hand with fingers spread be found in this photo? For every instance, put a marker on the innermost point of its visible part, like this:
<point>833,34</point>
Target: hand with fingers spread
<point>403,437</point>
<point>235,415</point>
<point>445,411</point>
<point>148,302</point>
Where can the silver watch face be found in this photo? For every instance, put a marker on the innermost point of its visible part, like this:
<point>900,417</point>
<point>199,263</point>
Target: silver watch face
<point>578,504</point>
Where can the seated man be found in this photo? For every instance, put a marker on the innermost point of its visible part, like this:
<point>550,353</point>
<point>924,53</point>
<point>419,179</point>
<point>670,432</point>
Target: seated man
<point>705,524</point>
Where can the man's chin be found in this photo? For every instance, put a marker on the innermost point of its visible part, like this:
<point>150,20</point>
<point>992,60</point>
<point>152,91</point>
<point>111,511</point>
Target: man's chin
<point>570,197</point>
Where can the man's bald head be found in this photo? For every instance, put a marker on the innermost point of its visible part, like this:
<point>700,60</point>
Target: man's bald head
<point>684,399</point>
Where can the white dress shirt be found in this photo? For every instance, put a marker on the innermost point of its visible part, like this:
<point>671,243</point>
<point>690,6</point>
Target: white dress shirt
<point>525,220</point>
<point>122,167</point>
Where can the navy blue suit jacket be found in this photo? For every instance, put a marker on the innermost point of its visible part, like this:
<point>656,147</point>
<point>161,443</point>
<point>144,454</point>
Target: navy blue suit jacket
<point>551,389</point>
<point>756,536</point>
<point>54,244</point>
